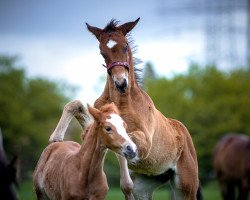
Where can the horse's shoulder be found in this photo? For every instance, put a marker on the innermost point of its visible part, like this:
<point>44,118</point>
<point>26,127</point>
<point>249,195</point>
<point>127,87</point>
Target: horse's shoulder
<point>177,126</point>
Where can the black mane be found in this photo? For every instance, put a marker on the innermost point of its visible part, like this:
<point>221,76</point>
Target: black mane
<point>111,26</point>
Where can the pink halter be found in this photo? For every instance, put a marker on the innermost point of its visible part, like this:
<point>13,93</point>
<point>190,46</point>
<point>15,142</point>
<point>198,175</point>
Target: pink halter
<point>110,66</point>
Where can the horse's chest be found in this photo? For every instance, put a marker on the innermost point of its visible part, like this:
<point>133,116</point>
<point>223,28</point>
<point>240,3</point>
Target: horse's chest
<point>163,156</point>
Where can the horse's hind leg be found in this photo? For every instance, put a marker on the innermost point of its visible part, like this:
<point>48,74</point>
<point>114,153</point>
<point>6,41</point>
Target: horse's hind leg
<point>144,186</point>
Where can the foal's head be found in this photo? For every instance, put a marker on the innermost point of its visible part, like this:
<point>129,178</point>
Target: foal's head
<point>115,50</point>
<point>112,130</point>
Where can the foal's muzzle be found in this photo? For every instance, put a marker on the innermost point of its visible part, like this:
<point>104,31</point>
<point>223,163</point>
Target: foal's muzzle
<point>122,85</point>
<point>129,151</point>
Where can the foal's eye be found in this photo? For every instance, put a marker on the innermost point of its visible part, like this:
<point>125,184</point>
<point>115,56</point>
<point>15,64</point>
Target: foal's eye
<point>107,128</point>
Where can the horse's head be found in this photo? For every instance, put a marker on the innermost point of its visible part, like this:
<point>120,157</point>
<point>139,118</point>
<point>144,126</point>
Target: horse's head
<point>115,50</point>
<point>112,130</point>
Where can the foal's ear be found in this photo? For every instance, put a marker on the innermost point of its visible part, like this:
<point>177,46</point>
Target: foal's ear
<point>96,31</point>
<point>127,27</point>
<point>94,112</point>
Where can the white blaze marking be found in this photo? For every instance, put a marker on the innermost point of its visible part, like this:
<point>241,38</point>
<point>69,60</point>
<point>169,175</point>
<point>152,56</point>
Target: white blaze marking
<point>117,122</point>
<point>111,43</point>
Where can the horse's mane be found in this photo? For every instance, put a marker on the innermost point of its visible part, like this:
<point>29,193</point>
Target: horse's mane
<point>112,26</point>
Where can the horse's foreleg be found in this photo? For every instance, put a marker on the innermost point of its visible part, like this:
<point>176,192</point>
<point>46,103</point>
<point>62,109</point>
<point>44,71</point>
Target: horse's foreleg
<point>71,109</point>
<point>186,176</point>
<point>126,182</point>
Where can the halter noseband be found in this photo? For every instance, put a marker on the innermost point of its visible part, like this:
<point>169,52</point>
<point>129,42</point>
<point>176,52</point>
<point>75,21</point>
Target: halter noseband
<point>110,66</point>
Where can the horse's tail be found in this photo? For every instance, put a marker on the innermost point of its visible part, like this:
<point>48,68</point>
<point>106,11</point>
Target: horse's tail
<point>71,109</point>
<point>199,192</point>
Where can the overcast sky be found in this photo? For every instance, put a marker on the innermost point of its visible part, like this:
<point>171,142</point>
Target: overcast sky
<point>52,41</point>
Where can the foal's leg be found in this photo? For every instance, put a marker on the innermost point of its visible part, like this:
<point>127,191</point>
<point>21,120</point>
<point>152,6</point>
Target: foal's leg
<point>126,182</point>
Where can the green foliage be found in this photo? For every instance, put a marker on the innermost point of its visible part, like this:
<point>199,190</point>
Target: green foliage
<point>30,110</point>
<point>209,102</point>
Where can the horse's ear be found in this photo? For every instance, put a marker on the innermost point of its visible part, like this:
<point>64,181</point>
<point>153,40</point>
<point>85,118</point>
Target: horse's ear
<point>96,31</point>
<point>127,27</point>
<point>94,112</point>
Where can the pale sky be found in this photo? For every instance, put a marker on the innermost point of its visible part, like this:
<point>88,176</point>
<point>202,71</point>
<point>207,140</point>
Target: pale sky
<point>52,41</point>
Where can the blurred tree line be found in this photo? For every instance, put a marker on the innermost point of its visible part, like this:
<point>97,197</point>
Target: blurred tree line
<point>210,102</point>
<point>29,111</point>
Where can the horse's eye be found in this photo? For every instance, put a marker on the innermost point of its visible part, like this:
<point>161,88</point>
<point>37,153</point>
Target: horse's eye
<point>125,50</point>
<point>107,128</point>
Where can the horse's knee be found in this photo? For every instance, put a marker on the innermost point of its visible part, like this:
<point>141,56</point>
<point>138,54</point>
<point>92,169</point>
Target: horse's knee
<point>126,186</point>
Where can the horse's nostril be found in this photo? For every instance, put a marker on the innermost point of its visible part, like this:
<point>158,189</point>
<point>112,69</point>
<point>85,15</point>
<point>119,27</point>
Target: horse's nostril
<point>121,86</point>
<point>129,149</point>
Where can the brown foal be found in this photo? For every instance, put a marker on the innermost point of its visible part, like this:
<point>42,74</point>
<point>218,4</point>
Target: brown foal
<point>166,150</point>
<point>67,170</point>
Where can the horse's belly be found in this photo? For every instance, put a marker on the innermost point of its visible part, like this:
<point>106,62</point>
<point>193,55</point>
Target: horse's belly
<point>152,168</point>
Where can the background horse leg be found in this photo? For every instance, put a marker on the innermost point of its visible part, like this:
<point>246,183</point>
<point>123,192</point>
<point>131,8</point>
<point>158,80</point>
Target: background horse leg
<point>227,190</point>
<point>126,182</point>
<point>243,189</point>
<point>144,186</point>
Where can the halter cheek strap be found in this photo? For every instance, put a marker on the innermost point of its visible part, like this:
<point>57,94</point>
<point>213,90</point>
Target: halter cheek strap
<point>110,66</point>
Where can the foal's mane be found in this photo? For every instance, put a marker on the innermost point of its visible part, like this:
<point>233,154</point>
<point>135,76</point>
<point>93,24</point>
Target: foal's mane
<point>109,108</point>
<point>112,26</point>
<point>105,109</point>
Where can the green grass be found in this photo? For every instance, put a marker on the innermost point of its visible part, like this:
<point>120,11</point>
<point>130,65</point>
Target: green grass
<point>210,192</point>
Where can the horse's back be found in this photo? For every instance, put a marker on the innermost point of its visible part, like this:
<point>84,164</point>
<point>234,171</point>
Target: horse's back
<point>231,156</point>
<point>50,162</point>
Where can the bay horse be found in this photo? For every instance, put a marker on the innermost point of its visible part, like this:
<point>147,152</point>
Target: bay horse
<point>8,174</point>
<point>67,170</point>
<point>166,150</point>
<point>231,163</point>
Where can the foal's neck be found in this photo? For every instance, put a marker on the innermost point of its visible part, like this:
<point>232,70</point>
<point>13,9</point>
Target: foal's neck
<point>91,154</point>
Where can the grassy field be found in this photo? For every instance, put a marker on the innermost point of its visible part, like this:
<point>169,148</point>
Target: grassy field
<point>210,192</point>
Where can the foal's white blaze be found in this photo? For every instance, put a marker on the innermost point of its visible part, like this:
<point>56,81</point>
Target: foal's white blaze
<point>111,44</point>
<point>117,122</point>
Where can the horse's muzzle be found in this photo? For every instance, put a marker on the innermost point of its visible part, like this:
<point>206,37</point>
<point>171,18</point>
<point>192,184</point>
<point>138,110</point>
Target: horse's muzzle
<point>130,152</point>
<point>121,86</point>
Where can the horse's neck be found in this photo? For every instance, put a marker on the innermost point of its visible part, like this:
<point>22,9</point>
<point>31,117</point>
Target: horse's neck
<point>91,155</point>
